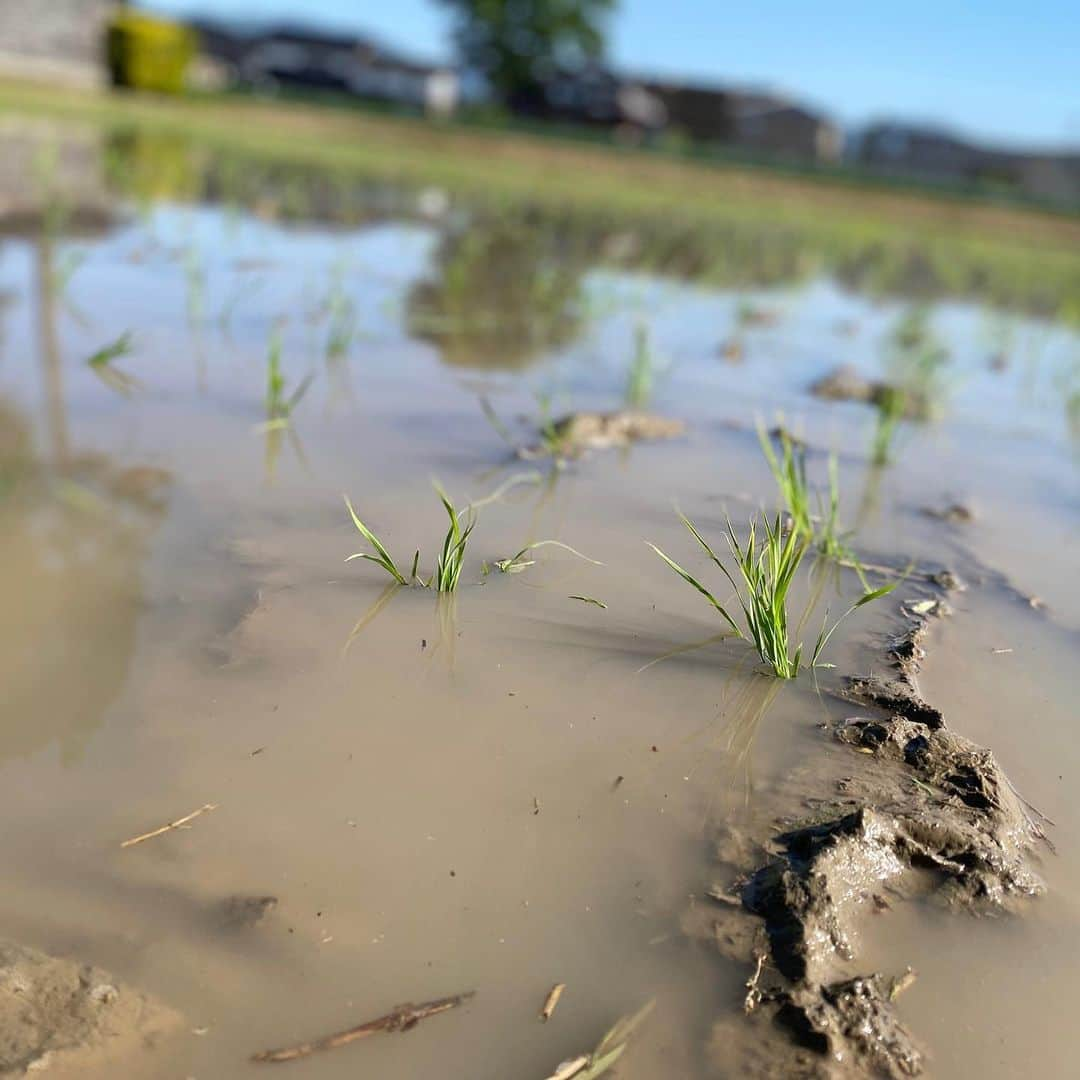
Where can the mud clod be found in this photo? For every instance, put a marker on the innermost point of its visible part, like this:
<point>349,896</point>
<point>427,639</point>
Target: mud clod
<point>852,1021</point>
<point>64,1017</point>
<point>935,814</point>
<point>846,384</point>
<point>578,432</point>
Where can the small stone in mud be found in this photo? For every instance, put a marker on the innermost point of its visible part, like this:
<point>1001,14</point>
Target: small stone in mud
<point>239,912</point>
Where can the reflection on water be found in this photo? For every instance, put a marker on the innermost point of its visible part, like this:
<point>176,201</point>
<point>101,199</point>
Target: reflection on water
<point>74,532</point>
<point>501,292</point>
<point>529,253</point>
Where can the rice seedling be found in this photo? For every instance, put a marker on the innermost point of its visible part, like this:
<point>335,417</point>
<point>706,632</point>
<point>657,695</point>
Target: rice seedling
<point>100,363</point>
<point>279,404</point>
<point>517,563</point>
<point>446,575</point>
<point>789,472</point>
<point>891,407</point>
<point>639,379</point>
<point>195,277</point>
<point>603,1058</point>
<point>830,538</point>
<point>381,557</point>
<point>122,346</point>
<point>342,318</point>
<point>554,441</point>
<point>766,569</point>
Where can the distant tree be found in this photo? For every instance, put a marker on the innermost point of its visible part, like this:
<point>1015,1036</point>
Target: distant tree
<point>516,44</point>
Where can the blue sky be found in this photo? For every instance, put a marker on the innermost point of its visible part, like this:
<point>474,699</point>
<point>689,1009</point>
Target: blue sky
<point>1008,72</point>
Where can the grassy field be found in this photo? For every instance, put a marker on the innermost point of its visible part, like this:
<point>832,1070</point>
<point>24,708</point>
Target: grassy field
<point>1015,256</point>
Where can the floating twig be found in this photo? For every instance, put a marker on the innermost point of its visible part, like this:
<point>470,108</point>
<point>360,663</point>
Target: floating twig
<point>551,1001</point>
<point>400,1018</point>
<point>179,823</point>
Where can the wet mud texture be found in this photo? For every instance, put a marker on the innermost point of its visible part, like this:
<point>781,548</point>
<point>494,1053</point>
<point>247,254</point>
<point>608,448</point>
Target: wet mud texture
<point>930,815</point>
<point>63,1017</point>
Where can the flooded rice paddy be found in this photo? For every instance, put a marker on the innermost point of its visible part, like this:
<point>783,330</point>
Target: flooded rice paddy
<point>507,788</point>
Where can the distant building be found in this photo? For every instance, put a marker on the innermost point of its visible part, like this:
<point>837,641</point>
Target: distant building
<point>778,128</point>
<point>925,153</point>
<point>61,42</point>
<point>286,57</point>
<point>758,123</point>
<point>920,152</point>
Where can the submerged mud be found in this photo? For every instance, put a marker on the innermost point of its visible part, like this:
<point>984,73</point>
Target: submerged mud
<point>932,816</point>
<point>63,1017</point>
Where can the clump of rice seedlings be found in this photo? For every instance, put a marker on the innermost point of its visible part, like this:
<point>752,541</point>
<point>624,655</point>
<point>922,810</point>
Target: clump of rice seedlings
<point>451,558</point>
<point>766,567</point>
<point>639,379</point>
<point>279,403</point>
<point>448,563</point>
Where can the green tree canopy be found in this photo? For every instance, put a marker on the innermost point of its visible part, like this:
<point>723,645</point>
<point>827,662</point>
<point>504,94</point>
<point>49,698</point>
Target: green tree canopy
<point>516,43</point>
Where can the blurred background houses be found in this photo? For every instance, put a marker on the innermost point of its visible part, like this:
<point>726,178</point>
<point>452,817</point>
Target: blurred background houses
<point>93,43</point>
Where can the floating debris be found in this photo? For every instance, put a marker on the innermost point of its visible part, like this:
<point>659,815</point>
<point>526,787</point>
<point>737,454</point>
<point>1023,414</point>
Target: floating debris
<point>179,823</point>
<point>400,1018</point>
<point>551,1001</point>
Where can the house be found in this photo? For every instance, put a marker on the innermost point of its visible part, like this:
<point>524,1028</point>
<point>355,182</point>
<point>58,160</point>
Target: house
<point>774,127</point>
<point>61,42</point>
<point>591,96</point>
<point>921,152</point>
<point>937,156</point>
<point>293,58</point>
<point>756,123</point>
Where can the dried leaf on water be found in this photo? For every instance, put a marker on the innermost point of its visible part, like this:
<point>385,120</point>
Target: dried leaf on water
<point>551,1001</point>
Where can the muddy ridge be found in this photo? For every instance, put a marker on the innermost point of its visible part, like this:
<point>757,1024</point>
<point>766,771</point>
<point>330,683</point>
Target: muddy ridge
<point>930,815</point>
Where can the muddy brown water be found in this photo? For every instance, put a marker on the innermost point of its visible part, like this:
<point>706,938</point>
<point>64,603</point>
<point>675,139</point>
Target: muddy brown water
<point>502,791</point>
